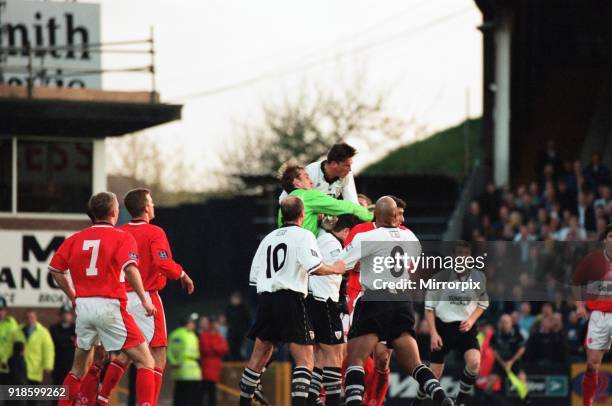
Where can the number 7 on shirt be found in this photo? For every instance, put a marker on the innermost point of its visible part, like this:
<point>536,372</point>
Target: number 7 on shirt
<point>91,270</point>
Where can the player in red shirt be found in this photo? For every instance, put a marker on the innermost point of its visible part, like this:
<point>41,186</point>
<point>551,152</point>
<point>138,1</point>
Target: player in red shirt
<point>376,369</point>
<point>593,281</point>
<point>156,265</point>
<point>99,258</point>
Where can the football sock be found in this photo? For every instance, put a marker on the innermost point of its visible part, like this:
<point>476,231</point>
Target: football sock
<point>145,387</point>
<point>314,392</point>
<point>354,380</point>
<point>113,375</point>
<point>466,383</point>
<point>589,387</point>
<point>332,382</point>
<point>159,373</point>
<point>376,388</point>
<point>74,387</point>
<point>427,380</point>
<point>420,397</point>
<point>248,384</point>
<point>89,385</point>
<point>300,382</point>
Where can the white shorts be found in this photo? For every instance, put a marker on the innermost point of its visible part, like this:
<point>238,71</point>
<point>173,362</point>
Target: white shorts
<point>108,320</point>
<point>153,328</point>
<point>599,333</point>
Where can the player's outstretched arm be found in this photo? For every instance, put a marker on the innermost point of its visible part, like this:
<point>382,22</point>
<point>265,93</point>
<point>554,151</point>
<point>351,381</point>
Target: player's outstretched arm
<point>581,310</point>
<point>320,203</point>
<point>337,268</point>
<point>435,340</point>
<point>468,323</point>
<point>62,282</point>
<point>132,274</point>
<point>579,281</point>
<point>187,283</point>
<point>162,256</point>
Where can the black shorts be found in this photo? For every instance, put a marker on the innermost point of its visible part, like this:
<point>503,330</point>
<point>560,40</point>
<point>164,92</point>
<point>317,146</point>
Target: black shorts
<point>453,339</point>
<point>326,321</point>
<point>282,318</point>
<point>387,320</point>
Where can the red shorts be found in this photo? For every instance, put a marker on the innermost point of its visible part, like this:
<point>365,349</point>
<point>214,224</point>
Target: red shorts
<point>153,328</point>
<point>106,320</point>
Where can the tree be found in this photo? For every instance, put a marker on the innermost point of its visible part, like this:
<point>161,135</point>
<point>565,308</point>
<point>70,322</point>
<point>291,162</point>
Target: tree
<point>136,157</point>
<point>136,160</point>
<point>305,128</point>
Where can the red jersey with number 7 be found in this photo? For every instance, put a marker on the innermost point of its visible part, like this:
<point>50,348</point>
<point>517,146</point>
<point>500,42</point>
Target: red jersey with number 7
<point>155,257</point>
<point>96,258</point>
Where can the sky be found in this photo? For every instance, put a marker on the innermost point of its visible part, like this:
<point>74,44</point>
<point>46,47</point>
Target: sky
<point>426,54</point>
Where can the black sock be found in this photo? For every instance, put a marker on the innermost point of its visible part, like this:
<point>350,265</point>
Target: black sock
<point>300,382</point>
<point>427,380</point>
<point>354,379</point>
<point>466,383</point>
<point>314,392</point>
<point>332,381</point>
<point>420,397</point>
<point>248,384</point>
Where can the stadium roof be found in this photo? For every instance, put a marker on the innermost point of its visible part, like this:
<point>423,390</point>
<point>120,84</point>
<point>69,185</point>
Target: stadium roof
<point>80,112</point>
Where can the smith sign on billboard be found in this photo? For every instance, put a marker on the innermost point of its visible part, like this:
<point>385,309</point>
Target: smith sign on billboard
<point>24,278</point>
<point>47,24</point>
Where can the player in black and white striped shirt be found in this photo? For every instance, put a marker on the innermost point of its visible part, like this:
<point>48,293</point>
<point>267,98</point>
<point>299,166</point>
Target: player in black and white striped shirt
<point>281,267</point>
<point>452,316</point>
<point>324,308</point>
<point>384,314</point>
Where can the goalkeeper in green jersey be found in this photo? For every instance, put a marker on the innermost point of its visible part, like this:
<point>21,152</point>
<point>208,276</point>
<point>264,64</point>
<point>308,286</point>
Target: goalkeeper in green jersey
<point>296,182</point>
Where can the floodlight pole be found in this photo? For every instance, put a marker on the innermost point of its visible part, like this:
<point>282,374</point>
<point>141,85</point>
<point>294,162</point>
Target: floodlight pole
<point>3,57</point>
<point>466,134</point>
<point>152,67</point>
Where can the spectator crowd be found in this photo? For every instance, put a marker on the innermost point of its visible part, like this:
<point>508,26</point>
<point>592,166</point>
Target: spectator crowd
<point>541,230</point>
<point>32,354</point>
<point>568,202</point>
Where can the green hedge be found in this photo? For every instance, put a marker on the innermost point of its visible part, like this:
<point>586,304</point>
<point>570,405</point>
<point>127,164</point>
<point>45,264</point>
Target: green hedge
<point>441,153</point>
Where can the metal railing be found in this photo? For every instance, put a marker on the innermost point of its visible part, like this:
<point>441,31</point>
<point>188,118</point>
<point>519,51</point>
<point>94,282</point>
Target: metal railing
<point>41,73</point>
<point>472,187</point>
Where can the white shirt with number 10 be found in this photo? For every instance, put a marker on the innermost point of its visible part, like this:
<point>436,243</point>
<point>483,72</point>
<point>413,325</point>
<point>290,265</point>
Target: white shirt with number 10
<point>284,260</point>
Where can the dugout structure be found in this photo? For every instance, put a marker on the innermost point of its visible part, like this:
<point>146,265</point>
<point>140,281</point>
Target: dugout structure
<point>52,158</point>
<point>54,119</point>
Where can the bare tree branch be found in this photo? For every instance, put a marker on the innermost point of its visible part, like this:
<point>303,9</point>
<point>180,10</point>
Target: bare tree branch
<point>304,128</point>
